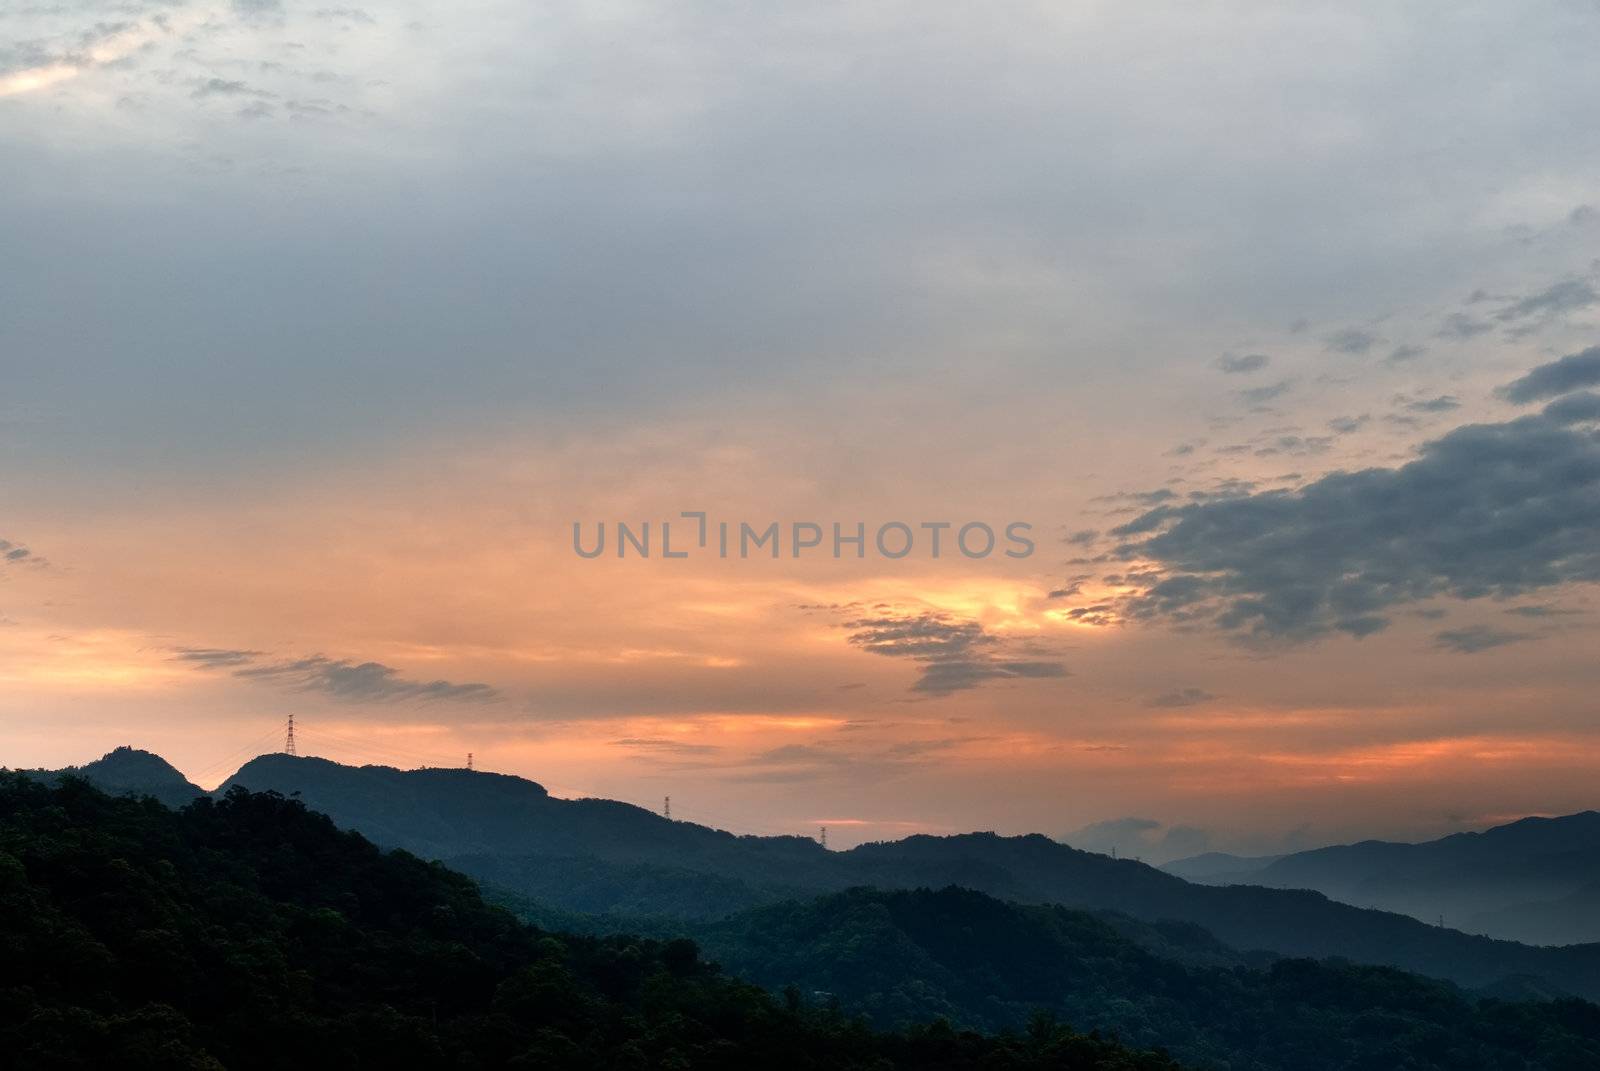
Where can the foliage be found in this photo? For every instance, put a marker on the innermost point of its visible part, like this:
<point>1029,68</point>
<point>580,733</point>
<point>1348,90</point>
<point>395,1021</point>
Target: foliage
<point>909,956</point>
<point>249,932</point>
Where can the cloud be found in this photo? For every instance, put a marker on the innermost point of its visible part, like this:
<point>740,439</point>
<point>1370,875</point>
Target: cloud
<point>808,762</point>
<point>220,87</point>
<point>1347,424</point>
<point>1444,403</point>
<point>1234,365</point>
<point>1352,340</point>
<point>1258,395</point>
<point>669,747</point>
<point>1570,295</point>
<point>954,655</point>
<point>1401,354</point>
<point>1572,372</point>
<point>1182,697</point>
<point>17,554</point>
<point>215,657</point>
<point>1486,510</point>
<point>1574,408</point>
<point>1475,638</point>
<point>1459,326</point>
<point>1541,611</point>
<point>339,678</point>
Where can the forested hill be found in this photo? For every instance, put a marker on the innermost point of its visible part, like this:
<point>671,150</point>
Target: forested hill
<point>601,856</point>
<point>249,932</point>
<point>909,956</point>
<point>130,770</point>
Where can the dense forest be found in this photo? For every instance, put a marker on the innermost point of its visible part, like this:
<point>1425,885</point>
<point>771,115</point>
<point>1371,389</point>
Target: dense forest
<point>249,932</point>
<point>910,956</point>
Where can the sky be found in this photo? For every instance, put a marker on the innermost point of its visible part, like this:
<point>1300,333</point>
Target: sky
<point>1276,325</point>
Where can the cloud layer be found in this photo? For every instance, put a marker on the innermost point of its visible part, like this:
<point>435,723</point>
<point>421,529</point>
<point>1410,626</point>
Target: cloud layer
<point>338,678</point>
<point>953,655</point>
<point>1486,510</point>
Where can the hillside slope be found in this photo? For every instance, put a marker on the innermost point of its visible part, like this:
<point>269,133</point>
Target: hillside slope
<point>249,933</point>
<point>911,955</point>
<point>510,831</point>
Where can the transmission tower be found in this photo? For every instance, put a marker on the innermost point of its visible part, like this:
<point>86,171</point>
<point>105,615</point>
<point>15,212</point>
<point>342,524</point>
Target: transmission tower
<point>824,838</point>
<point>666,808</point>
<point>288,739</point>
<point>469,760</point>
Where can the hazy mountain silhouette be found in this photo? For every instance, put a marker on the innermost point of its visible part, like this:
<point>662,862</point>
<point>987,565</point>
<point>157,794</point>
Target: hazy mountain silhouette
<point>1213,867</point>
<point>130,771</point>
<point>1496,882</point>
<point>1576,915</point>
<point>602,856</point>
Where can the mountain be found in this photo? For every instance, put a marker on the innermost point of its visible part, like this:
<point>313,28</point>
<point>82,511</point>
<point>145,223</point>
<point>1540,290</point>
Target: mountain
<point>1546,922</point>
<point>250,933</point>
<point>598,856</point>
<point>1219,867</point>
<point>128,770</point>
<point>1490,882</point>
<point>909,956</point>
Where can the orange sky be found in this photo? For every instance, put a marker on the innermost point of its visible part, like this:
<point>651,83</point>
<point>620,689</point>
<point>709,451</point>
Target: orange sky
<point>324,326</point>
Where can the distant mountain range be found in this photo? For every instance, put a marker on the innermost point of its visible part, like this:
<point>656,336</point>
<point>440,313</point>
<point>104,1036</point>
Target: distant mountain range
<point>1536,880</point>
<point>604,857</point>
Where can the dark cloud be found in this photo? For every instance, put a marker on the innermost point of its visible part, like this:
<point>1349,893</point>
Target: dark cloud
<point>1242,365</point>
<point>1460,326</point>
<point>1572,372</point>
<point>1475,638</point>
<point>1182,697</point>
<point>1570,295</point>
<point>17,554</point>
<point>1541,611</point>
<point>953,655</point>
<point>1352,340</point>
<point>220,87</point>
<point>214,657</point>
<point>1293,445</point>
<point>1401,354</point>
<point>1486,510</point>
<point>362,682</point>
<point>342,679</point>
<point>1574,408</point>
<point>1259,395</point>
<point>1347,424</point>
<point>1441,404</point>
<point>1081,538</point>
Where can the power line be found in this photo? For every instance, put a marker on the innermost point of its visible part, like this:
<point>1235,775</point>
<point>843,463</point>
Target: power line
<point>255,747</point>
